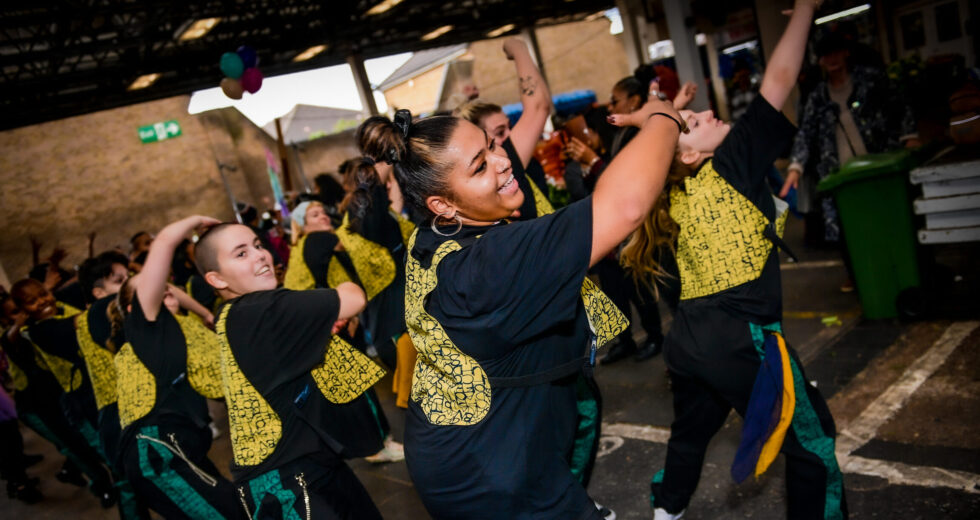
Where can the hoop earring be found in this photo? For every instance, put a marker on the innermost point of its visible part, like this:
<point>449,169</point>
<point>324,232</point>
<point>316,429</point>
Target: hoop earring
<point>459,225</point>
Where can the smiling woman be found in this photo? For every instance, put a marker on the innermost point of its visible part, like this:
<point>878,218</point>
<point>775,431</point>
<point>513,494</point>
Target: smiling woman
<point>503,316</point>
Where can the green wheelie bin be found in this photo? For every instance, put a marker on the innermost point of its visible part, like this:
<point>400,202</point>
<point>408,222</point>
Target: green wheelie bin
<point>875,210</point>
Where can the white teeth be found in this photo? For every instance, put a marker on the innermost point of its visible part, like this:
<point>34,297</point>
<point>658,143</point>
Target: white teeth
<point>263,270</point>
<point>506,184</point>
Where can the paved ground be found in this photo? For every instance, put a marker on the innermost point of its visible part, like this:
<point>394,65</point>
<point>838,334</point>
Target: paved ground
<point>906,398</point>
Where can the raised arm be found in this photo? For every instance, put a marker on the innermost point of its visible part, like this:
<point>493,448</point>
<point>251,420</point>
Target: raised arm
<point>783,68</point>
<point>186,301</point>
<point>535,98</point>
<point>629,186</point>
<point>151,284</point>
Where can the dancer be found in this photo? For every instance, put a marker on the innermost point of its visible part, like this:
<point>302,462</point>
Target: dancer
<point>166,368</point>
<point>503,316</point>
<point>725,342</point>
<point>290,427</point>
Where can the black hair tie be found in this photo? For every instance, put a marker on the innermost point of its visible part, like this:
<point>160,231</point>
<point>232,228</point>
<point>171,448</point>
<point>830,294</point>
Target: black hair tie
<point>369,161</point>
<point>392,156</point>
<point>403,121</point>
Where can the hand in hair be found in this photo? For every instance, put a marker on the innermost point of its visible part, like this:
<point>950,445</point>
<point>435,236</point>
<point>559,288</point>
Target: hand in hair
<point>152,282</point>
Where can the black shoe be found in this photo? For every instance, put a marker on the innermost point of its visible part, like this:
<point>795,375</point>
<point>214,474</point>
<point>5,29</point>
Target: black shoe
<point>26,492</point>
<point>30,460</point>
<point>619,352</point>
<point>648,350</point>
<point>73,477</point>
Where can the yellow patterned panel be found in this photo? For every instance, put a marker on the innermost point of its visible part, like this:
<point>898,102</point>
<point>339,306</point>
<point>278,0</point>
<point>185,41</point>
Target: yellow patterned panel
<point>136,386</point>
<point>407,227</point>
<point>606,319</point>
<point>203,357</point>
<point>17,376</point>
<point>67,311</point>
<point>336,274</point>
<point>541,202</point>
<point>98,362</point>
<point>298,276</point>
<point>450,386</point>
<point>373,263</point>
<point>721,244</point>
<point>345,373</point>
<point>254,426</point>
<point>63,370</point>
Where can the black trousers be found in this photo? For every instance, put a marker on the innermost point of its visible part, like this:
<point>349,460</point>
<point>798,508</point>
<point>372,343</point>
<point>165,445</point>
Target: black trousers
<point>308,490</point>
<point>620,287</point>
<point>13,466</point>
<point>708,382</point>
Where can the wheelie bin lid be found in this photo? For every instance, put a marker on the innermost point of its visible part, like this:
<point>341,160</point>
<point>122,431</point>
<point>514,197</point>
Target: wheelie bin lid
<point>867,167</point>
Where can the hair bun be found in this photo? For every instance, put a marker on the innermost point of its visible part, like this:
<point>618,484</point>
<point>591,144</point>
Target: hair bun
<point>403,121</point>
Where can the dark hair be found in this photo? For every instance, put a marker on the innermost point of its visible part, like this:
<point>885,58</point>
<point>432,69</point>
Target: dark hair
<point>633,87</point>
<point>359,181</point>
<point>206,252</point>
<point>132,239</point>
<point>420,169</point>
<point>247,212</point>
<point>95,270</point>
<point>17,291</point>
<point>116,312</point>
<point>378,139</point>
<point>331,192</point>
<point>829,43</point>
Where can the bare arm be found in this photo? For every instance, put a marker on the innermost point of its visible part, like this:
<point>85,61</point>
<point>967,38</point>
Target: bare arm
<point>630,185</point>
<point>535,98</point>
<point>186,301</point>
<point>352,300</point>
<point>787,58</point>
<point>152,281</point>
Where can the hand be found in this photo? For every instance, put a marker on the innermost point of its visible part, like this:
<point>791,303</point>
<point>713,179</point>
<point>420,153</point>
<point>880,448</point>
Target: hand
<point>52,278</point>
<point>792,181</point>
<point>639,117</point>
<point>57,255</point>
<point>513,47</point>
<point>685,95</point>
<point>201,222</point>
<point>654,88</point>
<point>577,151</point>
<point>208,320</point>
<point>913,143</point>
<point>338,326</point>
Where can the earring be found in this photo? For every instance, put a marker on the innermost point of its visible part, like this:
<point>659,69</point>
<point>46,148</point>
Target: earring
<point>459,225</point>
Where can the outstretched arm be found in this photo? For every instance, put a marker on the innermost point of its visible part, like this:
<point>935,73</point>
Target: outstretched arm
<point>186,301</point>
<point>352,300</point>
<point>151,284</point>
<point>784,67</point>
<point>630,185</point>
<point>535,98</point>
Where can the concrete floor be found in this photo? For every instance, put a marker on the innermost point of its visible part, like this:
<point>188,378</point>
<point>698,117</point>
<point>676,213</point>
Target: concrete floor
<point>906,398</point>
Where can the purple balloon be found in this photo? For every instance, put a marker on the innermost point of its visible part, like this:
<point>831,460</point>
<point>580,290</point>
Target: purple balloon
<point>251,80</point>
<point>248,55</point>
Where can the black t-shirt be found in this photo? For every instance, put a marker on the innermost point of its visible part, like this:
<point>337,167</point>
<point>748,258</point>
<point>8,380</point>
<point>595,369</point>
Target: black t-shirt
<point>162,348</point>
<point>99,326</point>
<point>72,294</point>
<point>199,289</point>
<point>378,225</point>
<point>744,159</point>
<point>318,250</point>
<point>277,337</point>
<point>525,176</point>
<point>510,299</point>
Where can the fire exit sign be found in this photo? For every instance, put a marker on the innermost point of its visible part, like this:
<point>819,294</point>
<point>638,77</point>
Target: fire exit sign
<point>159,131</point>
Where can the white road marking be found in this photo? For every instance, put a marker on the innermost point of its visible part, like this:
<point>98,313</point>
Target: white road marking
<point>640,432</point>
<point>816,264</point>
<point>904,474</point>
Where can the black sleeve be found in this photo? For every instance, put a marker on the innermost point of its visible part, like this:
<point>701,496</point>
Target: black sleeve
<point>281,334</point>
<point>317,252</point>
<point>760,136</point>
<point>521,279</point>
<point>378,225</point>
<point>153,341</point>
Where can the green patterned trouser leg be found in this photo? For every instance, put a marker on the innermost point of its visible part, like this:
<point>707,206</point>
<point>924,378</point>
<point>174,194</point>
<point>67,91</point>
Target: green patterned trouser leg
<point>35,423</point>
<point>586,431</point>
<point>270,483</point>
<point>657,479</point>
<point>169,481</point>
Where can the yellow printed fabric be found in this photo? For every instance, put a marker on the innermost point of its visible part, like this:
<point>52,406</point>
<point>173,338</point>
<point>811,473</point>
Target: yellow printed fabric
<point>17,376</point>
<point>203,357</point>
<point>135,385</point>
<point>254,426</point>
<point>606,320</point>
<point>450,386</point>
<point>345,373</point>
<point>63,370</point>
<point>721,243</point>
<point>336,274</point>
<point>541,202</point>
<point>298,276</point>
<point>775,442</point>
<point>373,262</point>
<point>407,227</point>
<point>67,311</point>
<point>98,362</point>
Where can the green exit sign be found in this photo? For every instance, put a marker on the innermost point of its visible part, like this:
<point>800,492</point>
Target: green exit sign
<point>159,131</point>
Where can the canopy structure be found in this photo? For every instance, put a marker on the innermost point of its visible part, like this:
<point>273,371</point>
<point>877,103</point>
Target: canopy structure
<point>65,58</point>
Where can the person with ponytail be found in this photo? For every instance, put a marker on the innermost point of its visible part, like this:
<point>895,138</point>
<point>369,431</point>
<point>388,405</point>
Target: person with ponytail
<point>725,348</point>
<point>165,369</point>
<point>504,317</point>
<point>519,142</point>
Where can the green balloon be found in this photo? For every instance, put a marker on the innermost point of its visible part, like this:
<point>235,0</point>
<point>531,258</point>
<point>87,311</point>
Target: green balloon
<point>231,65</point>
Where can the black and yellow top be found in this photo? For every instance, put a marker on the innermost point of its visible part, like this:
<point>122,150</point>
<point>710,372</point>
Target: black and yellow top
<point>314,262</point>
<point>32,382</point>
<point>502,318</point>
<point>310,405</point>
<point>92,330</point>
<point>165,370</point>
<point>723,253</point>
<point>532,182</point>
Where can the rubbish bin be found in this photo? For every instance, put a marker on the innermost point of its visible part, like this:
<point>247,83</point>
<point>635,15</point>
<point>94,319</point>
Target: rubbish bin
<point>873,201</point>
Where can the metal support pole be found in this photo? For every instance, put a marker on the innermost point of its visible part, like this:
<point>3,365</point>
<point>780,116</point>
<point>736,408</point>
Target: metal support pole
<point>636,55</point>
<point>683,35</point>
<point>356,64</point>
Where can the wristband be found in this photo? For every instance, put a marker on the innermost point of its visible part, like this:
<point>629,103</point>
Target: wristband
<point>593,161</point>
<point>681,127</point>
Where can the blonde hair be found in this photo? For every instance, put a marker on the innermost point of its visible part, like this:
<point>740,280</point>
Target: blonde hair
<point>295,230</point>
<point>640,254</point>
<point>476,111</point>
